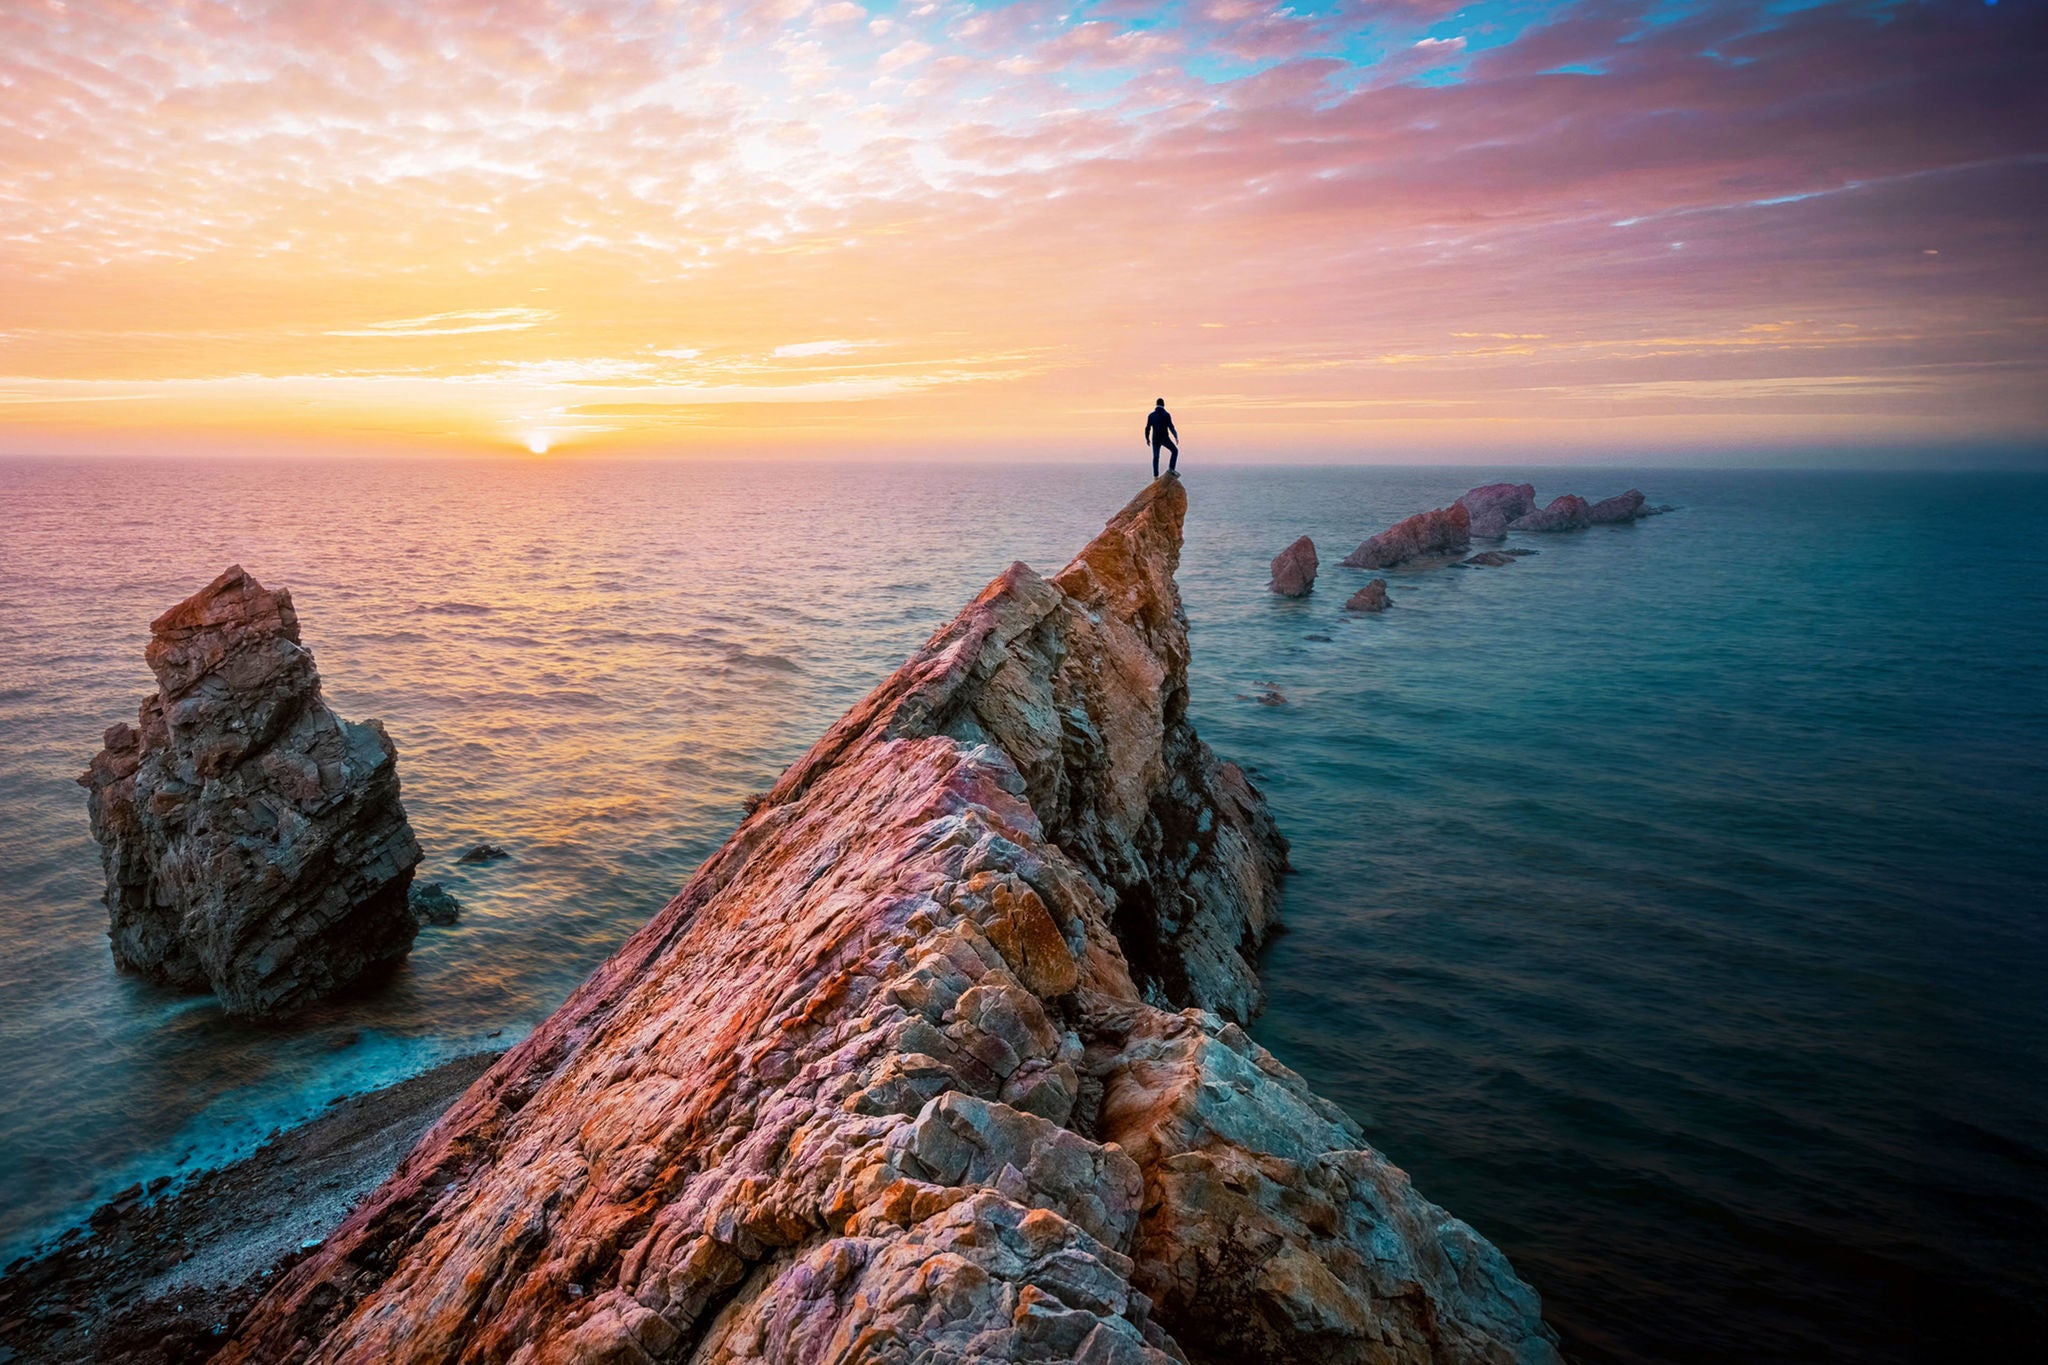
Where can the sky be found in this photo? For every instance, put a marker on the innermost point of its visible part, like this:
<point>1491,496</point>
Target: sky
<point>1363,230</point>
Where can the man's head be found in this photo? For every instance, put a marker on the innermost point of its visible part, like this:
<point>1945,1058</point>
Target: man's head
<point>1159,403</point>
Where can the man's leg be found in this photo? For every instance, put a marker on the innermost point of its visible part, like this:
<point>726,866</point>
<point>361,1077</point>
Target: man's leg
<point>1155,459</point>
<point>1172,459</point>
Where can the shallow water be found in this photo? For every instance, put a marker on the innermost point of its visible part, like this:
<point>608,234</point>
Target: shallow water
<point>1669,904</point>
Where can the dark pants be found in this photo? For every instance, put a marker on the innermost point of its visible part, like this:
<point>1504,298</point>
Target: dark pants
<point>1173,458</point>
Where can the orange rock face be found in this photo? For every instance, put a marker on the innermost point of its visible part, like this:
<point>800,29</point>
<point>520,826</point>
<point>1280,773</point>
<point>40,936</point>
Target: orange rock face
<point>931,1063</point>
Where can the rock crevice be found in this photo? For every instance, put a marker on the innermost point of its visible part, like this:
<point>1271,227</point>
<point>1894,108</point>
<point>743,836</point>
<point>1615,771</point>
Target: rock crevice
<point>935,1060</point>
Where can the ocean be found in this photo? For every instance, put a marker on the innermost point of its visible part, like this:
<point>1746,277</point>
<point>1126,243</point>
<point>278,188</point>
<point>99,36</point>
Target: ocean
<point>1672,904</point>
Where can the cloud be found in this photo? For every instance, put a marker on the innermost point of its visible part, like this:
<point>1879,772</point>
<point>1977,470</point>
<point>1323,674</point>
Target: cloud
<point>452,324</point>
<point>809,348</point>
<point>1349,207</point>
<point>907,53</point>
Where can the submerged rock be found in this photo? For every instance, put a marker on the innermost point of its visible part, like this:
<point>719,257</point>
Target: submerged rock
<point>433,904</point>
<point>1492,506</point>
<point>253,841</point>
<point>1621,507</point>
<point>1565,513</point>
<point>1491,559</point>
<point>1294,569</point>
<point>930,1062</point>
<point>1426,535</point>
<point>482,853</point>
<point>1371,597</point>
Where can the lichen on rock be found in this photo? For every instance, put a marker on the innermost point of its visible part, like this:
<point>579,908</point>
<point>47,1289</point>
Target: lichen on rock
<point>934,1060</point>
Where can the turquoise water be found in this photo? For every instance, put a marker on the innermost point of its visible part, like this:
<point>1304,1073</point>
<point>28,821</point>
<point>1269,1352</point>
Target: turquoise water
<point>1670,904</point>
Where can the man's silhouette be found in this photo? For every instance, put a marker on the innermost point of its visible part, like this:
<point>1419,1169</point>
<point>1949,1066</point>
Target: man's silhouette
<point>1159,432</point>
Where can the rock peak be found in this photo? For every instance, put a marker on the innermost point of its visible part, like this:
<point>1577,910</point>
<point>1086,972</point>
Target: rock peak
<point>1134,559</point>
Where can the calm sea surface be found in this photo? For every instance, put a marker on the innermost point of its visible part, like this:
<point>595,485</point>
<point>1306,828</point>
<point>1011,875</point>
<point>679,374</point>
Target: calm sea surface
<point>1673,905</point>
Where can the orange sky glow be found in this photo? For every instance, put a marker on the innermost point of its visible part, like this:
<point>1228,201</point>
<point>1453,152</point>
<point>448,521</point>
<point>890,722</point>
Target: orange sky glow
<point>1402,230</point>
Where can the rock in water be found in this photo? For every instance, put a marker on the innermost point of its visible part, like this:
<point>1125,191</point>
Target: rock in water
<point>1491,559</point>
<point>252,839</point>
<point>1492,506</point>
<point>432,903</point>
<point>931,1063</point>
<point>1621,507</point>
<point>1565,513</point>
<point>1294,569</point>
<point>1426,535</point>
<point>1371,597</point>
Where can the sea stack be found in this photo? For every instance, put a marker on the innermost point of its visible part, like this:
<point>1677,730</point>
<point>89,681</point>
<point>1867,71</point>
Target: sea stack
<point>253,841</point>
<point>938,1058</point>
<point>1565,513</point>
<point>1294,569</point>
<point>1619,508</point>
<point>1371,597</point>
<point>1446,532</point>
<point>1492,506</point>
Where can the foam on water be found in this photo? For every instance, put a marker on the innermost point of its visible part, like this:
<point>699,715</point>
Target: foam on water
<point>1669,903</point>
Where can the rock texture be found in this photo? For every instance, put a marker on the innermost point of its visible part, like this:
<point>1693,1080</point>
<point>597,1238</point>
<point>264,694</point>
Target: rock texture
<point>1371,597</point>
<point>1492,506</point>
<point>1426,535</point>
<point>1619,508</point>
<point>1491,559</point>
<point>931,1062</point>
<point>1565,513</point>
<point>1294,569</point>
<point>253,841</point>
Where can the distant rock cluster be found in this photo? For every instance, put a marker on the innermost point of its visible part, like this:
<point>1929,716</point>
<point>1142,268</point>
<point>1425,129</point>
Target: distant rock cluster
<point>1441,537</point>
<point>253,841</point>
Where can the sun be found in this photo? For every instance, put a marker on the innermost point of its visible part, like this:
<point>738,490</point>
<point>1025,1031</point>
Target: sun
<point>538,443</point>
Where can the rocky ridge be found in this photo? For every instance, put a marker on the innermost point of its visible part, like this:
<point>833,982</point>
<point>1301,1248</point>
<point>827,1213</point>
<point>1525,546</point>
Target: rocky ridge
<point>1447,531</point>
<point>253,841</point>
<point>938,1059</point>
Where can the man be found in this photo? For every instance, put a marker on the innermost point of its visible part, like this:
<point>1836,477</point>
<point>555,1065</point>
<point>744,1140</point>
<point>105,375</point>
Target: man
<point>1159,432</point>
